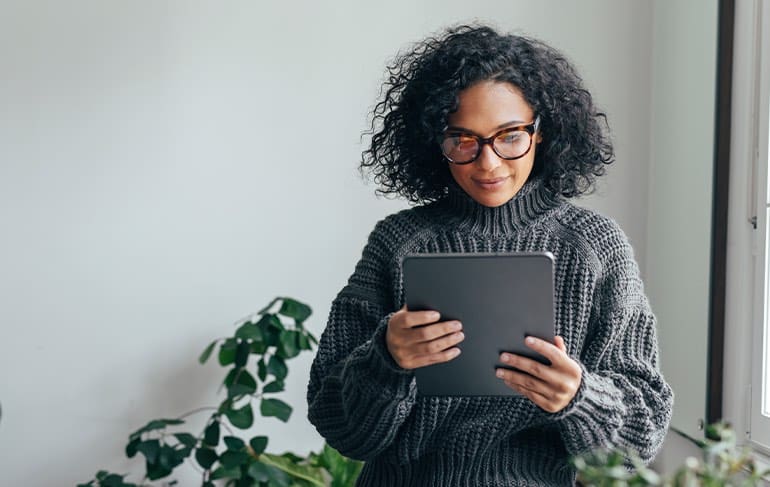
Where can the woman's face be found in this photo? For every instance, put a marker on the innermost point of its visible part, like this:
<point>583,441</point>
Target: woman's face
<point>486,108</point>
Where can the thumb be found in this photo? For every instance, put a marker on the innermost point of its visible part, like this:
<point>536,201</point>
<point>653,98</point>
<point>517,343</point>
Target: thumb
<point>559,342</point>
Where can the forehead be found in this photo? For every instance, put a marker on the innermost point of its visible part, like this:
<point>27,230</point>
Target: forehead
<point>485,106</point>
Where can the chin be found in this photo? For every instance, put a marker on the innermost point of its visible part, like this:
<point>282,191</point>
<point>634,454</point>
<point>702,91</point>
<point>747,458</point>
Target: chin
<point>494,201</point>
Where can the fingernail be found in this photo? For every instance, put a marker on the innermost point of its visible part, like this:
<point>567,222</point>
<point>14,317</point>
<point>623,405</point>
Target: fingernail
<point>457,325</point>
<point>530,341</point>
<point>435,315</point>
<point>505,357</point>
<point>499,373</point>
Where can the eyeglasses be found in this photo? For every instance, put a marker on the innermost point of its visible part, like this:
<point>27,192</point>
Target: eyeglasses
<point>510,143</point>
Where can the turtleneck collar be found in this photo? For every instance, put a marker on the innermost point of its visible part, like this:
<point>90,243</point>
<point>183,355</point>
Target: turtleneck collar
<point>526,206</point>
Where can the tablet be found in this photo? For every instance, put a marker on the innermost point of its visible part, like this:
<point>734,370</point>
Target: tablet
<point>500,298</point>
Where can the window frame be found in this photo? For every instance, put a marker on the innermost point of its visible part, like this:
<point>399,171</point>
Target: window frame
<point>759,204</point>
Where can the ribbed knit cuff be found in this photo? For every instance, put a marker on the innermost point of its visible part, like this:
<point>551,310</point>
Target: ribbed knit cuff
<point>596,410</point>
<point>377,370</point>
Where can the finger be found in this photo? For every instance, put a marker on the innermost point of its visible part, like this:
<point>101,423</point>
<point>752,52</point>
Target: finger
<point>410,319</point>
<point>441,344</point>
<point>523,381</point>
<point>436,330</point>
<point>560,343</point>
<point>546,349</point>
<point>531,367</point>
<point>435,358</point>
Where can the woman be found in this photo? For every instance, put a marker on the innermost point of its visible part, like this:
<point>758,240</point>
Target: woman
<point>490,134</point>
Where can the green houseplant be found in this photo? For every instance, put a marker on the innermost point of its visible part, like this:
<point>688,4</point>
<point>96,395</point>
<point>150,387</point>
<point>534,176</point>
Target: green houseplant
<point>723,464</point>
<point>255,357</point>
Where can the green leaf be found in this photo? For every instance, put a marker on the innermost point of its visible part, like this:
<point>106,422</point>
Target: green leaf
<point>226,473</point>
<point>211,433</point>
<point>169,458</point>
<point>182,451</point>
<point>114,480</point>
<point>155,424</point>
<point>277,367</point>
<point>186,439</point>
<point>294,309</point>
<point>305,472</point>
<point>239,390</point>
<point>258,348</point>
<point>275,386</point>
<point>227,352</point>
<point>232,459</point>
<point>275,407</point>
<point>267,308</point>
<point>249,331</point>
<point>242,353</point>
<point>270,322</point>
<point>288,347</point>
<point>205,457</point>
<point>156,471</point>
<point>258,444</point>
<point>234,443</point>
<point>293,457</point>
<point>343,470</point>
<point>268,473</point>
<point>207,352</point>
<point>241,418</point>
<point>149,449</point>
<point>303,342</point>
<point>225,406</point>
<point>240,382</point>
<point>271,328</point>
<point>131,447</point>
<point>262,369</point>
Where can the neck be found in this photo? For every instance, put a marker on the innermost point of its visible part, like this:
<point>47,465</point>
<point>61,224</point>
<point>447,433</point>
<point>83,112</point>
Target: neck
<point>531,202</point>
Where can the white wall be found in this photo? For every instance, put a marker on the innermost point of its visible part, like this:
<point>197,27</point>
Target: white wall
<point>152,191</point>
<point>680,197</point>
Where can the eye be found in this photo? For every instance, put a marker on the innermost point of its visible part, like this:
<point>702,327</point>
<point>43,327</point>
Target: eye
<point>510,137</point>
<point>461,140</point>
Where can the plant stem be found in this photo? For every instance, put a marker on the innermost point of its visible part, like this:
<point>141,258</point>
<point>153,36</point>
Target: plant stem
<point>195,411</point>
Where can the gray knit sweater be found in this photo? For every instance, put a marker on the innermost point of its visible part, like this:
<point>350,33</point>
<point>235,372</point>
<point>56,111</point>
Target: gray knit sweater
<point>369,408</point>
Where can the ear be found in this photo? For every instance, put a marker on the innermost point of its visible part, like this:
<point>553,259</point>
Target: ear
<point>538,137</point>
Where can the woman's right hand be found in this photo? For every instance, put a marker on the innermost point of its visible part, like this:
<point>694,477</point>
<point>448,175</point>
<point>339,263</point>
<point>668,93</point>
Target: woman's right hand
<point>416,338</point>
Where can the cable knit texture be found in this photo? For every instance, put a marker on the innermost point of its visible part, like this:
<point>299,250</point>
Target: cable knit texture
<point>368,407</point>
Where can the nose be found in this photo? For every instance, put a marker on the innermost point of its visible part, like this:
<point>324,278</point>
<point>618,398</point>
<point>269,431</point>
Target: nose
<point>488,160</point>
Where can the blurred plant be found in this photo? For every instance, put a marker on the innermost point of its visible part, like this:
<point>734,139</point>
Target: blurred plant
<point>724,464</point>
<point>256,356</point>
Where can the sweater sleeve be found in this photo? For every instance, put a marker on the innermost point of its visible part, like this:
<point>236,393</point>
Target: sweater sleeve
<point>623,400</point>
<point>358,397</point>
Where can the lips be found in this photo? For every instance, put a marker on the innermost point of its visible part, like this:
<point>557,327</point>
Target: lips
<point>490,183</point>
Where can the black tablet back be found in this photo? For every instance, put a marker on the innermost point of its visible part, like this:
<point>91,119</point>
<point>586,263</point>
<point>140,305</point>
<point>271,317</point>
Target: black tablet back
<point>500,298</point>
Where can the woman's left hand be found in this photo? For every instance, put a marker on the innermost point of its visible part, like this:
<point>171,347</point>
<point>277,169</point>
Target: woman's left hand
<point>551,387</point>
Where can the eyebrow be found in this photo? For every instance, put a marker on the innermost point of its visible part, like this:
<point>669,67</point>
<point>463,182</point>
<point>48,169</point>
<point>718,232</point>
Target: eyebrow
<point>512,123</point>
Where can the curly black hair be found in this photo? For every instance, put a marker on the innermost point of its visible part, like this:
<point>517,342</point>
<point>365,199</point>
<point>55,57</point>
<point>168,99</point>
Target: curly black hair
<point>422,88</point>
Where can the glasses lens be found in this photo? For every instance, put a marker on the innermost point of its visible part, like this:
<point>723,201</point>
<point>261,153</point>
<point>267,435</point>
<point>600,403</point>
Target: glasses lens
<point>459,147</point>
<point>513,143</point>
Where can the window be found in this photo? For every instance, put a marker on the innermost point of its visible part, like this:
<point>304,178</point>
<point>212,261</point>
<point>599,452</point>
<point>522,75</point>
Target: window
<point>759,204</point>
